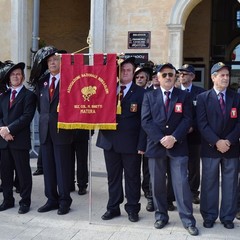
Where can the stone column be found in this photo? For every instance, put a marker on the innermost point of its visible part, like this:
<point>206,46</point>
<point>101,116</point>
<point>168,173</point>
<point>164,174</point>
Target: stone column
<point>175,53</point>
<point>97,26</point>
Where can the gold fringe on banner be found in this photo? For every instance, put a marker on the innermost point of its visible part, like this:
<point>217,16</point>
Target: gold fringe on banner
<point>87,126</point>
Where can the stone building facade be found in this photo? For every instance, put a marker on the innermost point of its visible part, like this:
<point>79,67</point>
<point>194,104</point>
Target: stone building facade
<point>181,31</point>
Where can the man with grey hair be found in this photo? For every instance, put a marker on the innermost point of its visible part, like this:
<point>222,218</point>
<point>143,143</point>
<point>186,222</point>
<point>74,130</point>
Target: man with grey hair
<point>219,124</point>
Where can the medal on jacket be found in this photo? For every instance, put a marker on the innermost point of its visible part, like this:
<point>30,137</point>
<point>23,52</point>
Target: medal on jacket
<point>133,107</point>
<point>233,113</point>
<point>178,108</point>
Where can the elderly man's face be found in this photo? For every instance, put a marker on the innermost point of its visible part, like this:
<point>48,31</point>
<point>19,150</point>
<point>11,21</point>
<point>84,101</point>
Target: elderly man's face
<point>141,79</point>
<point>167,78</point>
<point>54,64</point>
<point>16,78</point>
<point>221,79</point>
<point>186,78</point>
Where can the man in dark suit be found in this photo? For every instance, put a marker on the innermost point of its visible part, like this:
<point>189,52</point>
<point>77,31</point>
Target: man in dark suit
<point>121,148</point>
<point>186,77</point>
<point>142,76</point>
<point>17,108</point>
<point>55,143</point>
<point>166,118</point>
<point>218,119</point>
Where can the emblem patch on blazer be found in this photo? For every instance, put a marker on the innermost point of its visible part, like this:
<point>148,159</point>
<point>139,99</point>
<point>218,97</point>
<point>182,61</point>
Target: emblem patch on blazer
<point>133,107</point>
<point>178,108</point>
<point>233,113</point>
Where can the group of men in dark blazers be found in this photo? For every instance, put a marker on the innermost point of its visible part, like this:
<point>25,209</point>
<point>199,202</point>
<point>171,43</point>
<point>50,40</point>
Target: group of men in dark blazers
<point>164,114</point>
<point>167,119</point>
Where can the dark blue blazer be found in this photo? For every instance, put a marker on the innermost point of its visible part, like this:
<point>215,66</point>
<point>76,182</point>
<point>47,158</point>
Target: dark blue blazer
<point>18,118</point>
<point>157,124</point>
<point>48,117</point>
<point>129,136</point>
<point>194,137</point>
<point>214,126</point>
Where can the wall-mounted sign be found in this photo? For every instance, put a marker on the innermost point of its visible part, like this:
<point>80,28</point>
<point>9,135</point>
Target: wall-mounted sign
<point>139,40</point>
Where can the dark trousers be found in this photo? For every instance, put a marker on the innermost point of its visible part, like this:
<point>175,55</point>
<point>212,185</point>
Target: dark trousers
<point>130,165</point>
<point>146,184</point>
<point>80,153</point>
<point>39,160</point>
<point>209,205</point>
<point>178,169</point>
<point>194,168</point>
<point>56,171</point>
<point>20,160</point>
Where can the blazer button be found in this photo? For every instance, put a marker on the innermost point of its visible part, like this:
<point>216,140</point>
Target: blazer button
<point>167,126</point>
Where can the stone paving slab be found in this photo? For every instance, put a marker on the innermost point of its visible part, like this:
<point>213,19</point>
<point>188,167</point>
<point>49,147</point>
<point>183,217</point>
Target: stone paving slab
<point>77,226</point>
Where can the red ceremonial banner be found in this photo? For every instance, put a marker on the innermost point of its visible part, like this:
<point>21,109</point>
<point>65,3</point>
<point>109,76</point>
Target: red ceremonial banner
<point>88,93</point>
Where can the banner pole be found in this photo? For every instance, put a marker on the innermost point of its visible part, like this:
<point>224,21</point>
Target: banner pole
<point>90,177</point>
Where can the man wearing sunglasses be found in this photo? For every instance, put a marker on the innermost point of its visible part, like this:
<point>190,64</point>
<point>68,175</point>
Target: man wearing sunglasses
<point>186,77</point>
<point>166,118</point>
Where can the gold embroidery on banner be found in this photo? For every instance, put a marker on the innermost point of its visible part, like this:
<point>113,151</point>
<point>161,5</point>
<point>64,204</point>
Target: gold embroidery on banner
<point>87,92</point>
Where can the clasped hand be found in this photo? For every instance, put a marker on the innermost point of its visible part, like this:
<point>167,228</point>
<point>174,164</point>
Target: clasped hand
<point>4,133</point>
<point>223,145</point>
<point>168,141</point>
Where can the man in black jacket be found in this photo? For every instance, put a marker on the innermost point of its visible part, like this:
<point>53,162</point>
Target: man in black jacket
<point>17,108</point>
<point>121,148</point>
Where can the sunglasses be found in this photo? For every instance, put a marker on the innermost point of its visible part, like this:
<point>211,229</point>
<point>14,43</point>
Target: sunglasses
<point>184,74</point>
<point>169,74</point>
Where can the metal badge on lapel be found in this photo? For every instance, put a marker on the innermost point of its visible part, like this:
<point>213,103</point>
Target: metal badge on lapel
<point>178,108</point>
<point>233,113</point>
<point>133,107</point>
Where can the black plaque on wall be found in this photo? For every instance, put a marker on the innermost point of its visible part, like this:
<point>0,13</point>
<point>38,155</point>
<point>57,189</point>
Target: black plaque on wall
<point>139,40</point>
<point>140,58</point>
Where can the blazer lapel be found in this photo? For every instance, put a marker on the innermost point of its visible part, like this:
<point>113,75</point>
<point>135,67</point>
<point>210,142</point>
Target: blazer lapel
<point>129,93</point>
<point>215,102</point>
<point>229,104</point>
<point>20,95</point>
<point>172,103</point>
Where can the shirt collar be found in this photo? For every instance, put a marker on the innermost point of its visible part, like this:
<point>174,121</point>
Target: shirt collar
<point>18,89</point>
<point>189,87</point>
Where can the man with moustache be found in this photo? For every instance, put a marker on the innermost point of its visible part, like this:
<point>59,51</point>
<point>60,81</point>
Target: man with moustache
<point>166,118</point>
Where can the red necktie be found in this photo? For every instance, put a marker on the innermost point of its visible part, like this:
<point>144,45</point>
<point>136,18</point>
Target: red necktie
<point>222,103</point>
<point>121,94</point>
<point>167,101</point>
<point>14,92</point>
<point>52,88</point>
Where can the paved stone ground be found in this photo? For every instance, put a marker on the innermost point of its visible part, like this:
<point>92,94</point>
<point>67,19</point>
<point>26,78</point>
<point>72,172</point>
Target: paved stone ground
<point>79,224</point>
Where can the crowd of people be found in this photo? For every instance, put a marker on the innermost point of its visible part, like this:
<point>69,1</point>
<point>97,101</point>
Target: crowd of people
<point>165,128</point>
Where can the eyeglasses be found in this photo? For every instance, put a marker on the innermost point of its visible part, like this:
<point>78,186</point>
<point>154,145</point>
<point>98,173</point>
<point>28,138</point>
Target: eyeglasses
<point>184,74</point>
<point>169,74</point>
